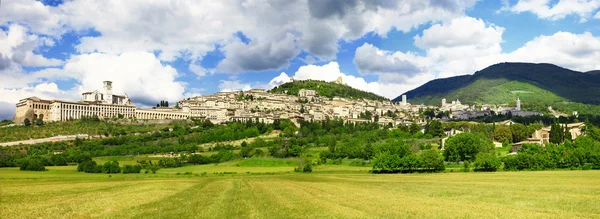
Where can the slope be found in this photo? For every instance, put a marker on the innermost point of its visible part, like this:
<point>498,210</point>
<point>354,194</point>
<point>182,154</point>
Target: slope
<point>504,82</point>
<point>326,89</point>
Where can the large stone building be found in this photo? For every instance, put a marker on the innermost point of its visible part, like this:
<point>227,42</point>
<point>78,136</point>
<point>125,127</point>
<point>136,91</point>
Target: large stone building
<point>101,104</point>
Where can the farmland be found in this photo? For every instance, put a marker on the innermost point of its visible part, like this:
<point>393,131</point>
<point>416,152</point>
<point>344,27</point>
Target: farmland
<point>268,188</point>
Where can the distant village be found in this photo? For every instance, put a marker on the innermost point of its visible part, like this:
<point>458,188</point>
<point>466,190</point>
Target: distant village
<point>256,105</point>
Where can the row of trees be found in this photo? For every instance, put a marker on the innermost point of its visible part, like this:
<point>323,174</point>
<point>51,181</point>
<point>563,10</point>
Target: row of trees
<point>110,167</point>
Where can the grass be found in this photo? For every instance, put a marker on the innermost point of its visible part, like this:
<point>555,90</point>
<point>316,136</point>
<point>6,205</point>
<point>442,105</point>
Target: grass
<point>331,191</point>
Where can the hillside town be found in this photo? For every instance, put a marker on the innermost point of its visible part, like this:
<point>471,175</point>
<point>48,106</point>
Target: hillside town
<point>256,105</point>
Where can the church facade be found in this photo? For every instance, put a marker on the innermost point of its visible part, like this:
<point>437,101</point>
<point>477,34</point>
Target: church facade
<point>103,104</point>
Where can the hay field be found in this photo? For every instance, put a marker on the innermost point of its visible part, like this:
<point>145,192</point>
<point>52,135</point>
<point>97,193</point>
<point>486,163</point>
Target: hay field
<point>329,192</point>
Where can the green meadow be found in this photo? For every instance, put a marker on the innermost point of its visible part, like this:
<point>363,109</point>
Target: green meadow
<point>268,188</point>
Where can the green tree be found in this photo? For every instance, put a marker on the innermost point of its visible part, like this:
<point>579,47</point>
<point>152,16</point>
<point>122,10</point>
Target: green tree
<point>465,146</point>
<point>432,160</point>
<point>434,128</point>
<point>556,133</point>
<point>519,132</point>
<point>27,122</point>
<point>487,162</point>
<point>414,128</point>
<point>502,134</point>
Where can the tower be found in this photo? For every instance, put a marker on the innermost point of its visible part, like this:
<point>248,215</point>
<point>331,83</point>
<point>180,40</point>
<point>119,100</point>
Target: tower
<point>108,92</point>
<point>444,102</point>
<point>518,104</point>
<point>404,99</point>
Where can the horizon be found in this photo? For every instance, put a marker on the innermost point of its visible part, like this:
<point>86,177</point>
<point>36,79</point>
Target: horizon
<point>172,50</point>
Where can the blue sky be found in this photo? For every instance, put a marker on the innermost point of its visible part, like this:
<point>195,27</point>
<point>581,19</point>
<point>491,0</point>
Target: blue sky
<point>155,50</point>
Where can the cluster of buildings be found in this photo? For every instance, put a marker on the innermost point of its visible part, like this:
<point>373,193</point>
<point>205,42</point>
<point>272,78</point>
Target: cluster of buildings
<point>222,107</point>
<point>256,105</point>
<point>462,112</point>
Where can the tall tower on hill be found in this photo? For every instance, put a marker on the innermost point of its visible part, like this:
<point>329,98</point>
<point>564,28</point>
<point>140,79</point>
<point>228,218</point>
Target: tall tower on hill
<point>518,104</point>
<point>108,97</point>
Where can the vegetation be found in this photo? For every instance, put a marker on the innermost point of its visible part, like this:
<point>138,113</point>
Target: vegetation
<point>466,146</point>
<point>85,126</point>
<point>544,84</point>
<point>322,193</point>
<point>326,89</point>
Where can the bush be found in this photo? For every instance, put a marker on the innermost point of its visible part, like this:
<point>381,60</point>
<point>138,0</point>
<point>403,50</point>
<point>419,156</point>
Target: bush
<point>304,166</point>
<point>487,162</point>
<point>89,166</point>
<point>111,167</point>
<point>59,160</point>
<point>465,146</point>
<point>30,164</point>
<point>432,160</point>
<point>152,168</point>
<point>132,169</point>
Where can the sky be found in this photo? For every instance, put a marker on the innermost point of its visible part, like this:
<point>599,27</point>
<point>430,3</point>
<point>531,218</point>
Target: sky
<point>156,50</point>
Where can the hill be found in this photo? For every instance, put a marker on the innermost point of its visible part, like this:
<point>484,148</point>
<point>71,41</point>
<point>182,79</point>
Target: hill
<point>544,84</point>
<point>327,89</point>
<point>595,72</point>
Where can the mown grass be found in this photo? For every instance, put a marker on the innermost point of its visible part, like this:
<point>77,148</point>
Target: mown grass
<point>62,192</point>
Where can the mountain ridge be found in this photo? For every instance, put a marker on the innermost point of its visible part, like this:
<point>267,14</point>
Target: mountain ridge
<point>503,82</point>
<point>326,89</point>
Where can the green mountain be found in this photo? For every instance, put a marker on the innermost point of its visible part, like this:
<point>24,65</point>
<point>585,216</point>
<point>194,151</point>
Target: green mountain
<point>595,72</point>
<point>538,84</point>
<point>327,89</point>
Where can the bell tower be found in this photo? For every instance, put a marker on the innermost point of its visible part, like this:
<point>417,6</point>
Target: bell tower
<point>108,98</point>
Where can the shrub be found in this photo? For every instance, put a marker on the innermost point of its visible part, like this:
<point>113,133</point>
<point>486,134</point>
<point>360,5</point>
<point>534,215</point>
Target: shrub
<point>59,160</point>
<point>89,166</point>
<point>465,146</point>
<point>111,167</point>
<point>487,162</point>
<point>132,169</point>
<point>432,160</point>
<point>31,164</point>
<point>304,166</point>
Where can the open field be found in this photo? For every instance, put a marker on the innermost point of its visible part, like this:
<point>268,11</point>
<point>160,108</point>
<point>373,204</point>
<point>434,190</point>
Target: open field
<point>331,191</point>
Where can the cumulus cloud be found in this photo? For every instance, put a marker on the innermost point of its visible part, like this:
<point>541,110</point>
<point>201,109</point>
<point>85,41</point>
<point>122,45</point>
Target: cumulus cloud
<point>370,60</point>
<point>199,70</point>
<point>462,31</point>
<point>19,46</point>
<point>597,15</point>
<point>545,9</point>
<point>575,51</point>
<point>189,29</point>
<point>279,80</point>
<point>41,18</point>
<point>234,85</point>
<point>257,56</point>
<point>331,71</point>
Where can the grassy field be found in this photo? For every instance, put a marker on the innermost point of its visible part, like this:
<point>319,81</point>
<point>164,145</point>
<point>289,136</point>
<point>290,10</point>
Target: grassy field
<point>331,191</point>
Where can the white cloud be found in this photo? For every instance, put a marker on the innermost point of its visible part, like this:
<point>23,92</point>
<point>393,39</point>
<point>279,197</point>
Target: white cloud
<point>597,15</point>
<point>579,52</point>
<point>257,56</point>
<point>17,47</point>
<point>234,85</point>
<point>41,18</point>
<point>546,10</point>
<point>370,60</point>
<point>199,70</point>
<point>279,80</point>
<point>331,71</point>
<point>457,47</point>
<point>462,31</point>
<point>189,29</point>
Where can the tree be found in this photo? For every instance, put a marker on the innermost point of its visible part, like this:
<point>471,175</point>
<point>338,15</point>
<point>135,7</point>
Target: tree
<point>414,128</point>
<point>39,122</point>
<point>519,132</point>
<point>465,146</point>
<point>32,164</point>
<point>432,160</point>
<point>27,122</point>
<point>59,160</point>
<point>556,133</point>
<point>487,162</point>
<point>502,134</point>
<point>111,167</point>
<point>434,128</point>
